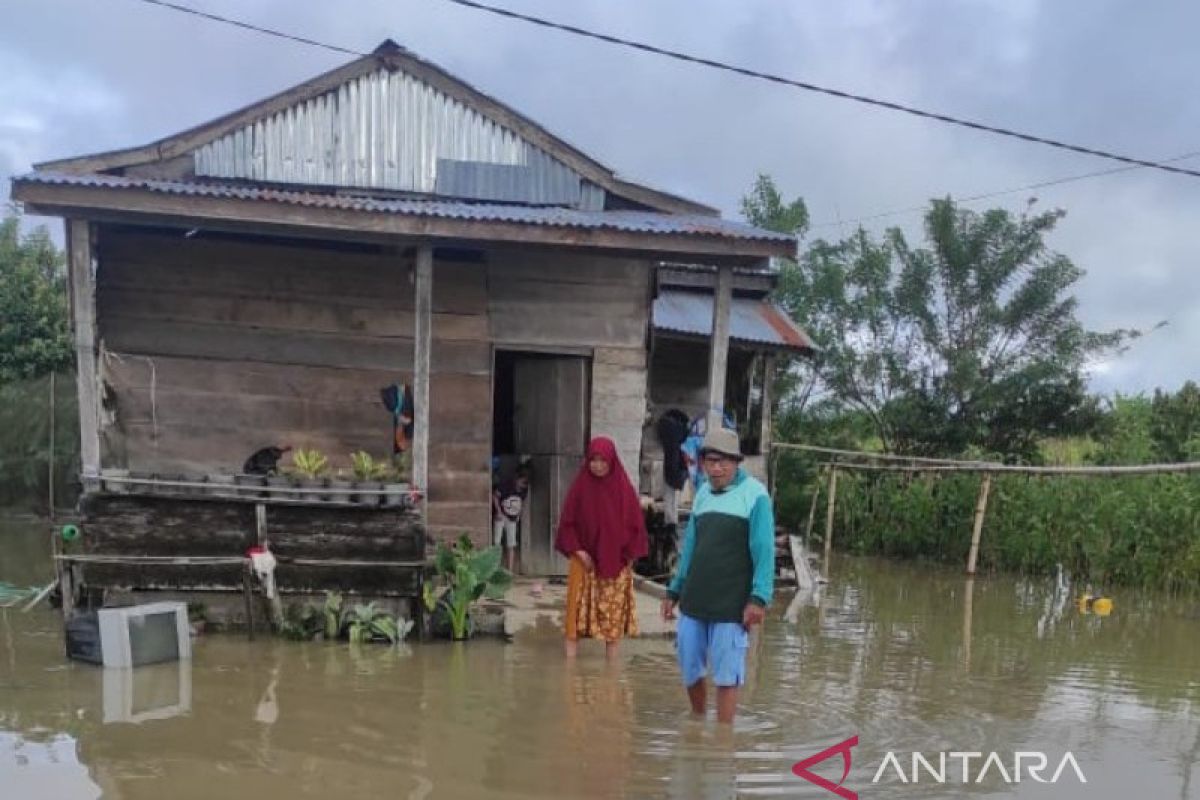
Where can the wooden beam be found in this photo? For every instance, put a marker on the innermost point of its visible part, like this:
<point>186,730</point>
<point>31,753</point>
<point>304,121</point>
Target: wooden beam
<point>422,345</point>
<point>768,378</point>
<point>719,347</point>
<point>144,206</point>
<point>81,279</point>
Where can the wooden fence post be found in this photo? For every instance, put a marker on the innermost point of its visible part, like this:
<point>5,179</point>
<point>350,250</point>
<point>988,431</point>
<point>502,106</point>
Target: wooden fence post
<point>812,512</point>
<point>833,476</point>
<point>980,508</point>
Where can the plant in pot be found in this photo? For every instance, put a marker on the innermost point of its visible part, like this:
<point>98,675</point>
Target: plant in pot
<point>395,477</point>
<point>464,575</point>
<point>340,486</point>
<point>368,474</point>
<point>308,468</point>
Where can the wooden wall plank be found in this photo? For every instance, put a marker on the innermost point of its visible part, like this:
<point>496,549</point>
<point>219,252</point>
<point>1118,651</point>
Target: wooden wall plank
<point>123,334</point>
<point>571,301</point>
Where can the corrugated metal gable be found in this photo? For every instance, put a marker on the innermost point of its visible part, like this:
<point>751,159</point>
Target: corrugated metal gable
<point>389,130</point>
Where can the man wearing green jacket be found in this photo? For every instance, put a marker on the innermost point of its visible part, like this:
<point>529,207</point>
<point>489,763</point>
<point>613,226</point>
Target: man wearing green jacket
<point>725,577</point>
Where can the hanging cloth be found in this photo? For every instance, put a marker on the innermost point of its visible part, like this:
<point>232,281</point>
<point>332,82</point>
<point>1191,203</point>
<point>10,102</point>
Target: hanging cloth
<point>398,399</point>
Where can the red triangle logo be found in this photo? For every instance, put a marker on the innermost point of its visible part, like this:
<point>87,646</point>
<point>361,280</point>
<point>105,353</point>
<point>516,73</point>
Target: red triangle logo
<point>801,769</point>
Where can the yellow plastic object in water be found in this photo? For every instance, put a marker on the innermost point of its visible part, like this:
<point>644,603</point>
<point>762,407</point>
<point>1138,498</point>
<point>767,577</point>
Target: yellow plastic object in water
<point>1102,606</point>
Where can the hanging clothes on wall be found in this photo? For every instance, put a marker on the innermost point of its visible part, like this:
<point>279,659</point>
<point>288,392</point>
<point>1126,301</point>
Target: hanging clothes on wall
<point>672,431</point>
<point>398,399</point>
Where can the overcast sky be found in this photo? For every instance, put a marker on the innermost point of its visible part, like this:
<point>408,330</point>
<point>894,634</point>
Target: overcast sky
<point>80,76</point>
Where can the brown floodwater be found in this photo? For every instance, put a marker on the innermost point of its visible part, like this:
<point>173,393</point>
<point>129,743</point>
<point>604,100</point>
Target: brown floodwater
<point>906,657</point>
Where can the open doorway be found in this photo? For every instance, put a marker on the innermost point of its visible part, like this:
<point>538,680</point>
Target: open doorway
<point>540,420</point>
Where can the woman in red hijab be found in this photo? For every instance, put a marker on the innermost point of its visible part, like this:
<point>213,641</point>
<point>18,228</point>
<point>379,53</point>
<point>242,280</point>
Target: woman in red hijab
<point>602,532</point>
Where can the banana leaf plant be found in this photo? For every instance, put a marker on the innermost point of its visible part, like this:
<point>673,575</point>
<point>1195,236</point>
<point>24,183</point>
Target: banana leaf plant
<point>366,623</point>
<point>464,576</point>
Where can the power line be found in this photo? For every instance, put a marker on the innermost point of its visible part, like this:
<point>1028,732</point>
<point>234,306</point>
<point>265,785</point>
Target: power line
<point>1001,192</point>
<point>1132,163</point>
<point>250,27</point>
<point>812,87</point>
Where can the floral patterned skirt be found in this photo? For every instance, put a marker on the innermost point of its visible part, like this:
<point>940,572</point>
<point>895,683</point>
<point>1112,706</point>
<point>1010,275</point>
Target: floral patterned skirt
<point>600,608</point>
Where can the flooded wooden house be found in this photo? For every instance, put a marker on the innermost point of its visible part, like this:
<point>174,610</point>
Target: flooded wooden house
<point>261,279</point>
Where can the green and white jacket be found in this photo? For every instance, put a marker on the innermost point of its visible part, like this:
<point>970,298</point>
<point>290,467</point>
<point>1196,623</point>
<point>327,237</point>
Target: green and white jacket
<point>728,556</point>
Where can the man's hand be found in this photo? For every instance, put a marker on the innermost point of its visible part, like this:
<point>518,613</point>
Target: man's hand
<point>668,608</point>
<point>753,615</point>
<point>585,559</point>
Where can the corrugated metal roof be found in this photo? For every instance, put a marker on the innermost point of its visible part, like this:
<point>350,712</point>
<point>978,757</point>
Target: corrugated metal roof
<point>750,320</point>
<point>649,222</point>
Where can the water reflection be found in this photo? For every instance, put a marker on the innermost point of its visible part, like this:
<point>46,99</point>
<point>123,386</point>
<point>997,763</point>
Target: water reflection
<point>144,694</point>
<point>907,657</point>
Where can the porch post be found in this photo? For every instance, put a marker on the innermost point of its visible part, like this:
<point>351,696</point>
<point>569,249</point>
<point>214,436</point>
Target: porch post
<point>422,343</point>
<point>764,438</point>
<point>719,346</point>
<point>81,276</point>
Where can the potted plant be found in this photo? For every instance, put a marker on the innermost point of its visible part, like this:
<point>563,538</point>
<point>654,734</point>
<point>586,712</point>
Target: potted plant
<point>340,486</point>
<point>281,479</point>
<point>395,477</point>
<point>308,467</point>
<point>463,576</point>
<point>368,474</point>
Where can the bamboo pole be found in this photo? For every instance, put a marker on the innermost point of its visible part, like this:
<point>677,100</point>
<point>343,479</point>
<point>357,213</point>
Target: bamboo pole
<point>812,512</point>
<point>833,476</point>
<point>869,456</point>
<point>968,618</point>
<point>50,456</point>
<point>1015,469</point>
<point>985,487</point>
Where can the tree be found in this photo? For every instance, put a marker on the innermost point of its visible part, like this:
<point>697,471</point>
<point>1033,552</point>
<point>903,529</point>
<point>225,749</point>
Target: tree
<point>34,329</point>
<point>968,343</point>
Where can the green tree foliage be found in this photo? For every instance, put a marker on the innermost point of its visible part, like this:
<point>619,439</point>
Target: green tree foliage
<point>1164,428</point>
<point>967,343</point>
<point>34,330</point>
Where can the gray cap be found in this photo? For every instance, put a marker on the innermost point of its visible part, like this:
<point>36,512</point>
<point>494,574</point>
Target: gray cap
<point>723,441</point>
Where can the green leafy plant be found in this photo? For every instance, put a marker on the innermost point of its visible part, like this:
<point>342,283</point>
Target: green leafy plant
<point>464,576</point>
<point>309,463</point>
<point>301,623</point>
<point>331,614</point>
<point>366,623</point>
<point>366,468</point>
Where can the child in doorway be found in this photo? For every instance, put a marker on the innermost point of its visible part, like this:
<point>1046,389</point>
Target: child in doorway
<point>508,499</point>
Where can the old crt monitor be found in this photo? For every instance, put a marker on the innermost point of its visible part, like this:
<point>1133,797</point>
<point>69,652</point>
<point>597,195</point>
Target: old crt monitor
<point>145,634</point>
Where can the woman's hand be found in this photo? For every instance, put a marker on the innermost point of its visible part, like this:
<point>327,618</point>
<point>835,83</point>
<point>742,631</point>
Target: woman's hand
<point>585,559</point>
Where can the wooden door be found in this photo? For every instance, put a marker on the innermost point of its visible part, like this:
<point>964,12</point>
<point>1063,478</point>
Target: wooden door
<point>552,398</point>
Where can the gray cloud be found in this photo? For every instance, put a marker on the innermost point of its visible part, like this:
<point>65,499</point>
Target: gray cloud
<point>83,77</point>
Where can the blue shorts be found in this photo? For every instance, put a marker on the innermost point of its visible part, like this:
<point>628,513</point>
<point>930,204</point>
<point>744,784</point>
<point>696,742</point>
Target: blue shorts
<point>722,645</point>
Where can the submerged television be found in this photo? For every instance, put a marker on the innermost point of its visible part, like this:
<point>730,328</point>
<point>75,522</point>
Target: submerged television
<point>131,636</point>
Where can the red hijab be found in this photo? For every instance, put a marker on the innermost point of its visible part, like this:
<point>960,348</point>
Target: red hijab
<point>602,516</point>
